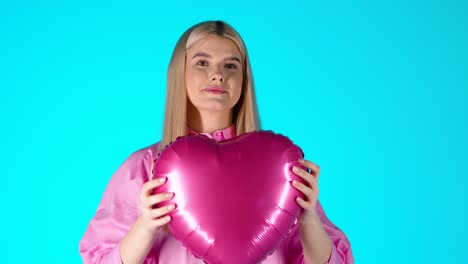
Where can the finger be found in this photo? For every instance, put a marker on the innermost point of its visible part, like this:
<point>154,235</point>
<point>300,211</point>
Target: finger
<point>314,186</point>
<point>307,191</point>
<point>303,203</point>
<point>312,182</point>
<point>162,211</point>
<point>154,199</point>
<point>303,174</point>
<point>162,221</point>
<point>315,169</point>
<point>150,185</point>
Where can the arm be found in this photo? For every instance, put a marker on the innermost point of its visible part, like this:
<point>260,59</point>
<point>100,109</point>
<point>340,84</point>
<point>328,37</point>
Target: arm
<point>138,242</point>
<point>317,234</point>
<point>296,247</point>
<point>117,212</point>
<point>341,247</point>
<point>316,243</point>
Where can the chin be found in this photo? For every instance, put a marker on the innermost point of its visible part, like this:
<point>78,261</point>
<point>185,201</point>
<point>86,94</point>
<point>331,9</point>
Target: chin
<point>214,106</point>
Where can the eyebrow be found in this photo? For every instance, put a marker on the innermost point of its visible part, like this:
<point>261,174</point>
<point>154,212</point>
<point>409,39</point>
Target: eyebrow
<point>206,55</point>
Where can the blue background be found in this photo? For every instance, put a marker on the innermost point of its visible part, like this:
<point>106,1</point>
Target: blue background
<point>375,92</point>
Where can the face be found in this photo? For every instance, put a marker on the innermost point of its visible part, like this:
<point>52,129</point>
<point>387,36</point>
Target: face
<point>214,74</point>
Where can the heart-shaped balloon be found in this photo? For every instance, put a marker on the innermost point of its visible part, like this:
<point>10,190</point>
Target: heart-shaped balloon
<point>235,201</point>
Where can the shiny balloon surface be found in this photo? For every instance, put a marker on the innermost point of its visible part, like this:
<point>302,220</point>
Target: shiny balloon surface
<point>235,200</point>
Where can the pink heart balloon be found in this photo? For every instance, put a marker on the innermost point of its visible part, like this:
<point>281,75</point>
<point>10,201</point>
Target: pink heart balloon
<point>234,198</point>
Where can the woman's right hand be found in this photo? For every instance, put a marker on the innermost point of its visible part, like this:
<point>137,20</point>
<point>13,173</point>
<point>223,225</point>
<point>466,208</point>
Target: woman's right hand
<point>135,246</point>
<point>153,217</point>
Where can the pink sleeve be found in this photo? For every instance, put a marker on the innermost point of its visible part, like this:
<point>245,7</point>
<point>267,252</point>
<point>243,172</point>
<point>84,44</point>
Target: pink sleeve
<point>341,248</point>
<point>117,212</point>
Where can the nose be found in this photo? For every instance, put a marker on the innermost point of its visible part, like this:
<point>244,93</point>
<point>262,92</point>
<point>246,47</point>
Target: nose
<point>217,76</point>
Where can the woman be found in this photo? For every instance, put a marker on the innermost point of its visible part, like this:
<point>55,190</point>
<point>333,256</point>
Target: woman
<point>209,90</point>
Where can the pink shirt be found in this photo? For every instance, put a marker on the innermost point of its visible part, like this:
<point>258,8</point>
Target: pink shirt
<point>119,210</point>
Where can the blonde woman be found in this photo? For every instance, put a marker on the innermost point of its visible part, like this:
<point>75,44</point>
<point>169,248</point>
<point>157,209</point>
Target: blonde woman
<point>210,90</point>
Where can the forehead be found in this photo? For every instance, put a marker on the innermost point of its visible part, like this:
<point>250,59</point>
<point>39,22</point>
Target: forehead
<point>215,45</point>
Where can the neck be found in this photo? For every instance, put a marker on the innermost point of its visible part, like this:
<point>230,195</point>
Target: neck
<point>208,122</point>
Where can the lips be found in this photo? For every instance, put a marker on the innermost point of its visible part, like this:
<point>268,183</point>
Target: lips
<point>215,89</point>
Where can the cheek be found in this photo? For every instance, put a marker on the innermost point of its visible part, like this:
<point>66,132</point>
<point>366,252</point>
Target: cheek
<point>238,84</point>
<point>189,75</point>
<point>191,79</point>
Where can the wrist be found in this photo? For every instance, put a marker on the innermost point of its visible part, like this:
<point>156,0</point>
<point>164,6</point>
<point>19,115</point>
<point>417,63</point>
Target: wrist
<point>144,229</point>
<point>310,219</point>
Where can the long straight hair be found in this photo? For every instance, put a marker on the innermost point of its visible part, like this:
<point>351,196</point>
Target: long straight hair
<point>245,113</point>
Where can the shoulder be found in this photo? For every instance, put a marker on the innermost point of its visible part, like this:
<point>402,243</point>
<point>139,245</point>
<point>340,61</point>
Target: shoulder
<point>138,164</point>
<point>143,154</point>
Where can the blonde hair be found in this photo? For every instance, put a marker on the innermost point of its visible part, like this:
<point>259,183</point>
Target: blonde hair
<point>245,113</point>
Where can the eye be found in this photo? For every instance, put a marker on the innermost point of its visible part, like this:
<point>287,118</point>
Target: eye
<point>231,66</point>
<point>202,63</point>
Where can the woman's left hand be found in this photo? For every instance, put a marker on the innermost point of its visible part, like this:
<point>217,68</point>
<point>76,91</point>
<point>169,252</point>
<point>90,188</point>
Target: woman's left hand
<point>309,189</point>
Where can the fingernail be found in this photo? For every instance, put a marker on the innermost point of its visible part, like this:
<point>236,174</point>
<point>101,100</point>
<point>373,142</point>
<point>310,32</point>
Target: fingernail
<point>169,195</point>
<point>301,161</point>
<point>170,207</point>
<point>295,169</point>
<point>161,180</point>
